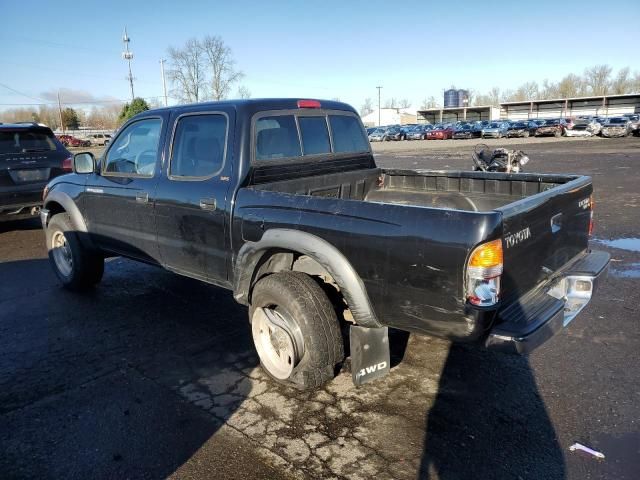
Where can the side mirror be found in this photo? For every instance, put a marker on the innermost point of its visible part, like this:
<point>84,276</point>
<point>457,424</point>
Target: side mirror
<point>84,162</point>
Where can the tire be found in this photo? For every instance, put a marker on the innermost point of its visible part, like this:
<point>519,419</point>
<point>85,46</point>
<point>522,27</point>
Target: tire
<point>526,134</point>
<point>557,134</point>
<point>75,266</point>
<point>308,334</point>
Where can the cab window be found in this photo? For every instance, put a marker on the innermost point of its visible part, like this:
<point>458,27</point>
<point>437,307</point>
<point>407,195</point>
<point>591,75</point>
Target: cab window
<point>135,151</point>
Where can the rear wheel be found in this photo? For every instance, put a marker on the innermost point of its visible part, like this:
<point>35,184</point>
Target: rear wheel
<point>77,267</point>
<point>295,330</point>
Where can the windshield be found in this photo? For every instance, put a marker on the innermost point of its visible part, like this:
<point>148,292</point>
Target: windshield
<point>22,141</point>
<point>618,120</point>
<point>494,125</point>
<point>518,125</point>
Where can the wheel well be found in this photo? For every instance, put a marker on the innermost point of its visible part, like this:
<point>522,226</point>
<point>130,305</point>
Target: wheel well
<point>274,261</point>
<point>54,208</point>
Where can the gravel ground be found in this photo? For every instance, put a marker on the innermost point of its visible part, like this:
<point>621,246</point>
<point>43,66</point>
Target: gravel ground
<point>153,375</point>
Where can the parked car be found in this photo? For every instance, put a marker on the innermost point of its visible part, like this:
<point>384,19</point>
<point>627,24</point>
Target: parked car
<point>396,133</point>
<point>581,128</point>
<point>442,132</point>
<point>30,156</point>
<point>634,120</point>
<point>98,139</point>
<point>71,141</point>
<point>555,127</point>
<point>378,135</point>
<point>522,129</point>
<point>419,132</point>
<point>495,130</point>
<point>464,132</point>
<point>616,127</point>
<point>307,231</point>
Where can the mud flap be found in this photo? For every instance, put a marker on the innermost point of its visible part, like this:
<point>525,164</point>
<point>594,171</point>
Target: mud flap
<point>370,356</point>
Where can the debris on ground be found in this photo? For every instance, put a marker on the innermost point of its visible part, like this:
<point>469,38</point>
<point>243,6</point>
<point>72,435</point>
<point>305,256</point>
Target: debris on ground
<point>579,446</point>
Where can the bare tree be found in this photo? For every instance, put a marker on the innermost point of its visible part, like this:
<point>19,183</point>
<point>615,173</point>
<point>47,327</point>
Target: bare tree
<point>428,103</point>
<point>243,92</point>
<point>623,82</point>
<point>221,66</point>
<point>367,107</point>
<point>570,86</point>
<point>404,103</point>
<point>391,103</point>
<point>187,72</point>
<point>598,79</point>
<point>526,91</point>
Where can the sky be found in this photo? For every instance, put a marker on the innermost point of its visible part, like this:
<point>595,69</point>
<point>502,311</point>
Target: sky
<point>312,49</point>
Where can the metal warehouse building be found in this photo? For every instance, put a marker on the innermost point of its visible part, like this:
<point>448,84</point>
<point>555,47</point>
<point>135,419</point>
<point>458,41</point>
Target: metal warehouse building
<point>453,114</point>
<point>609,105</point>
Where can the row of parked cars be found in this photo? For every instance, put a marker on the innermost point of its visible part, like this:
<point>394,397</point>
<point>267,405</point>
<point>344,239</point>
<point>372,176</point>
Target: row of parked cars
<point>570,127</point>
<point>92,140</point>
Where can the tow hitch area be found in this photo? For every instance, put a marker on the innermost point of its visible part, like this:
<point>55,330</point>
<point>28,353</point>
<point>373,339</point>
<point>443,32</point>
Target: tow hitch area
<point>370,355</point>
<point>525,325</point>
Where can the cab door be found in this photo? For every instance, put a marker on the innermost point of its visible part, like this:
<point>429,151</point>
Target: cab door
<point>118,201</point>
<point>192,212</point>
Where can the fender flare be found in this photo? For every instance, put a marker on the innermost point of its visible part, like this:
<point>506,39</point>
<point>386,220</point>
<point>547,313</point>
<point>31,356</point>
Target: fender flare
<point>328,256</point>
<point>70,207</point>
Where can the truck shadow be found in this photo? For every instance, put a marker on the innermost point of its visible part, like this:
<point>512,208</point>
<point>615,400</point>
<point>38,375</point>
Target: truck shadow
<point>489,421</point>
<point>106,384</point>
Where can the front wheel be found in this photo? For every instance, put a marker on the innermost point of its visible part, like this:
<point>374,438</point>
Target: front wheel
<point>75,266</point>
<point>295,330</point>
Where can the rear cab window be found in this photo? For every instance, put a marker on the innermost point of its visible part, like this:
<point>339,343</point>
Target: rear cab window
<point>296,134</point>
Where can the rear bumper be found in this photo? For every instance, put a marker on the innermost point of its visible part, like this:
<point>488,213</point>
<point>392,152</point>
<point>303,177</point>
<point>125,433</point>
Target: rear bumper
<point>529,323</point>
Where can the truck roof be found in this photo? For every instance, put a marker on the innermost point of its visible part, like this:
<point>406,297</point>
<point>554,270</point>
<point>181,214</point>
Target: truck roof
<point>252,105</point>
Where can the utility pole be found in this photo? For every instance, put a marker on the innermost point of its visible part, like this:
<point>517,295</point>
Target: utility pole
<point>60,111</point>
<point>164,81</point>
<point>379,122</point>
<point>128,56</point>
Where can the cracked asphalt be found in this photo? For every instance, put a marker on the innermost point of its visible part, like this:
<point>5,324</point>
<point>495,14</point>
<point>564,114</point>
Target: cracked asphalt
<point>152,375</point>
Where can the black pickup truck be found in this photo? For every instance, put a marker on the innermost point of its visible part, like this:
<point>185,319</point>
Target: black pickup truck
<point>280,200</point>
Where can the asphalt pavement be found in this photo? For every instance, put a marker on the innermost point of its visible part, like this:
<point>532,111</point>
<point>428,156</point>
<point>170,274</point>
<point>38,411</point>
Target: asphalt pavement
<point>152,375</point>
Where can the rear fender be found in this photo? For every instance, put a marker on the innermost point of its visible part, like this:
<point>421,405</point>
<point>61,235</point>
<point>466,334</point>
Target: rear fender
<point>328,256</point>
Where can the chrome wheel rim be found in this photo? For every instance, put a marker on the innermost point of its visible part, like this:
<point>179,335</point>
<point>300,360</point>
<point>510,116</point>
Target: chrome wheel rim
<point>278,340</point>
<point>62,253</point>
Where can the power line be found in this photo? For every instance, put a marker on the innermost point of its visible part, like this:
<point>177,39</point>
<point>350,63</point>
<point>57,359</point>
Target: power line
<point>20,93</point>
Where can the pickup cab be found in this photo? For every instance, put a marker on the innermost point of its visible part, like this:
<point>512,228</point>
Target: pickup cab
<point>281,201</point>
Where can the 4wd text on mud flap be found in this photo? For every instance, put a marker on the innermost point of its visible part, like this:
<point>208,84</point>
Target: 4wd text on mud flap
<point>371,369</point>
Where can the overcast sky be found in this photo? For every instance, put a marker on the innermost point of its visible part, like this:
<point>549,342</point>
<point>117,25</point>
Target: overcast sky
<point>324,49</point>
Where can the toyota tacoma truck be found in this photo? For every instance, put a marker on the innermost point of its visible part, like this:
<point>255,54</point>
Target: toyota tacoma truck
<point>281,201</point>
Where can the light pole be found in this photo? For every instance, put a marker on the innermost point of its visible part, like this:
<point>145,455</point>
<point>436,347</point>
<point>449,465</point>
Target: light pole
<point>128,56</point>
<point>379,122</point>
<point>164,82</point>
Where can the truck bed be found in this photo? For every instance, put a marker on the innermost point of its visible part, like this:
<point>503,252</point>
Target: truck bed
<point>458,190</point>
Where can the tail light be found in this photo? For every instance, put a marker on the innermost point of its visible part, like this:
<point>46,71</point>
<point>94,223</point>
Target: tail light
<point>484,269</point>
<point>67,164</point>
<point>592,204</point>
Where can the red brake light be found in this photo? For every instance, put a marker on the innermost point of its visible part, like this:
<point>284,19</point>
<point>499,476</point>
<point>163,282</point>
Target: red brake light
<point>308,104</point>
<point>67,164</point>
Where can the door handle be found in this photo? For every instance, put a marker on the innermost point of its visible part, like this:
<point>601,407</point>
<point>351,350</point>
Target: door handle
<point>208,203</point>
<point>142,197</point>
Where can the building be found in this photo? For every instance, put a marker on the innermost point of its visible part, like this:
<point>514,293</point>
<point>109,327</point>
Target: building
<point>607,106</point>
<point>390,116</point>
<point>454,114</point>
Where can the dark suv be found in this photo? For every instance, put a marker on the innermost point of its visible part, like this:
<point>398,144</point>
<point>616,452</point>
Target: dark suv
<point>30,156</point>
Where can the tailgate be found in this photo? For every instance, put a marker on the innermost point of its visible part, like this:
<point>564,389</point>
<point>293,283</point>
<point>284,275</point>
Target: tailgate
<point>544,232</point>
